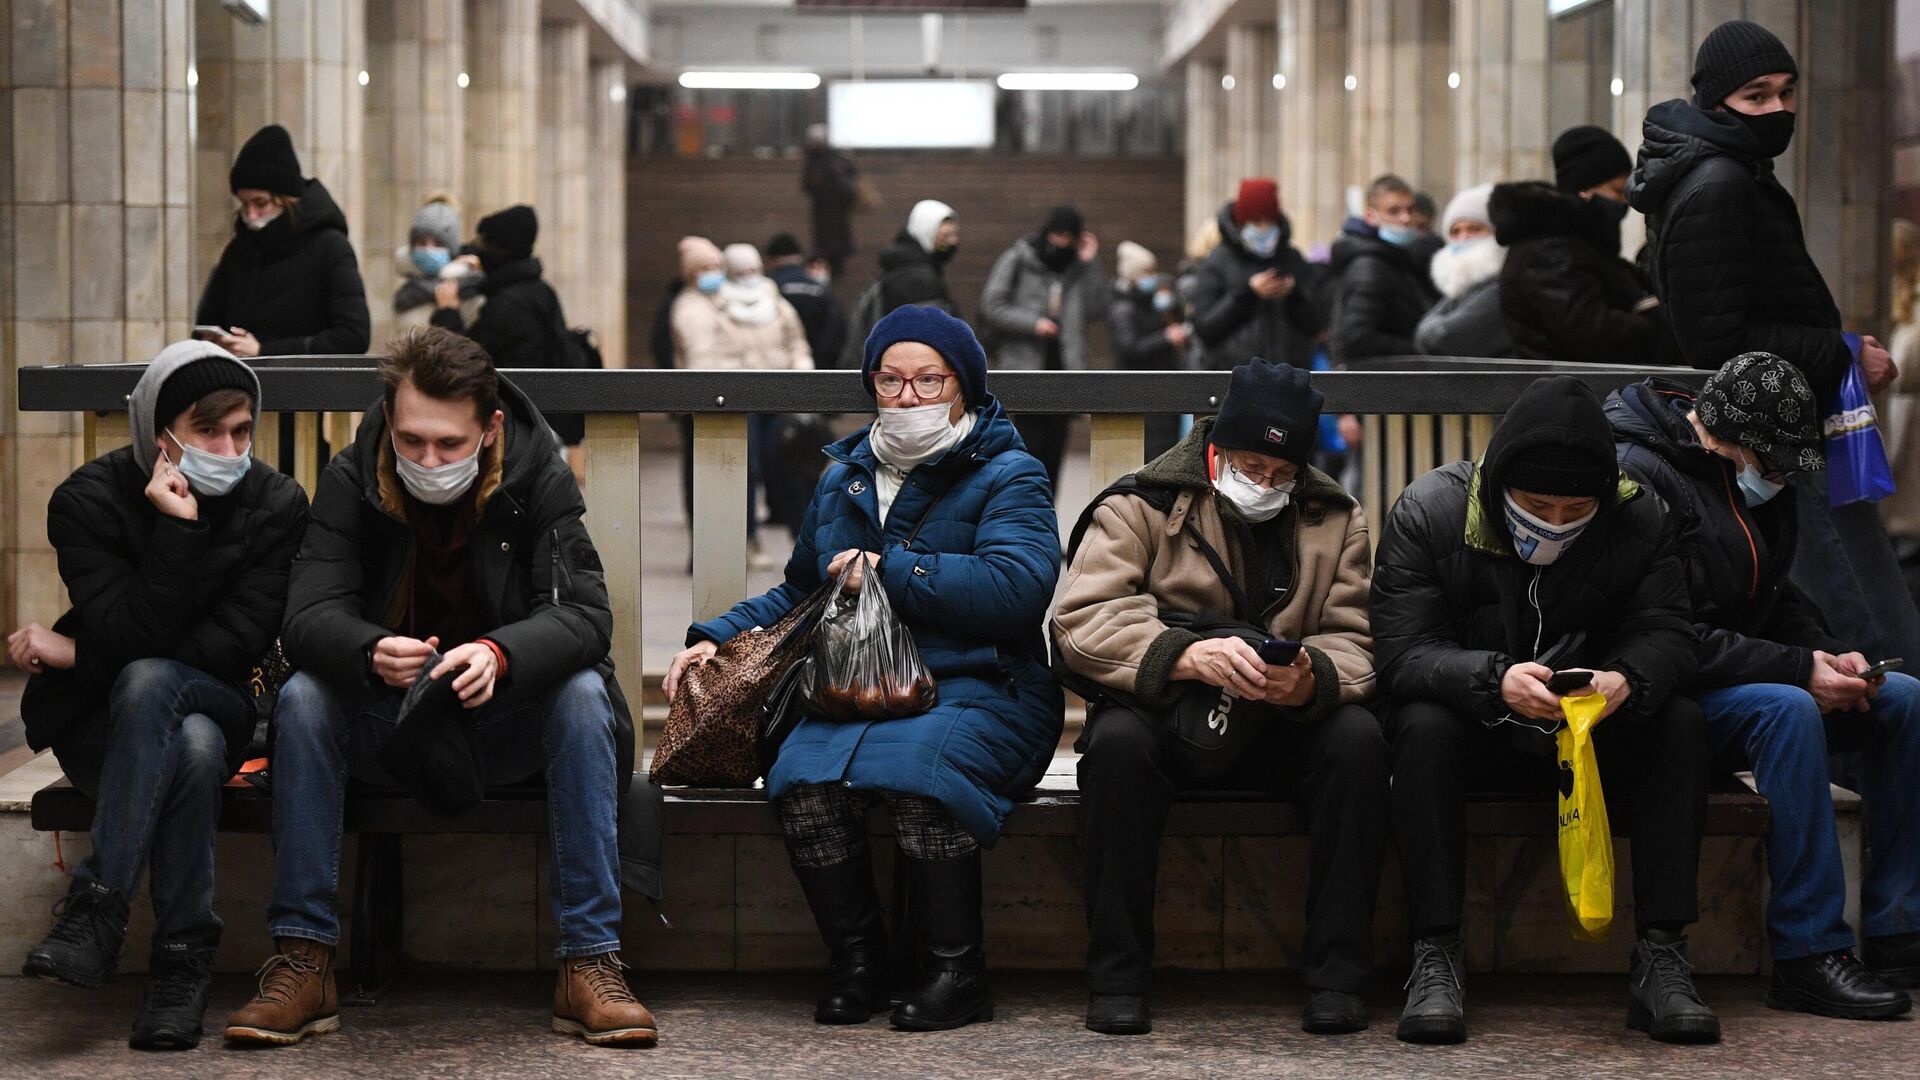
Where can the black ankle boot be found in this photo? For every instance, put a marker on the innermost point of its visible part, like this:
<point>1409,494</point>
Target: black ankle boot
<point>945,897</point>
<point>847,910</point>
<point>83,949</point>
<point>1661,998</point>
<point>179,978</point>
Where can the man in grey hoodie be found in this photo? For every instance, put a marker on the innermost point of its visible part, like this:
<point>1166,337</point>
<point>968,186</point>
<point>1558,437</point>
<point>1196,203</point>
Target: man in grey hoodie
<point>175,551</point>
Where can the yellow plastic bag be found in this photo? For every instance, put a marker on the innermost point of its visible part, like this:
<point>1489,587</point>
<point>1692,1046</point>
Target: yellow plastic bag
<point>1586,841</point>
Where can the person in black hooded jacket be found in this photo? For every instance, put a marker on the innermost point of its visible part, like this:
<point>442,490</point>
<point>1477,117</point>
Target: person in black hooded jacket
<point>1566,292</point>
<point>447,543</point>
<point>913,270</point>
<point>1382,288</point>
<point>1728,256</point>
<point>175,551</point>
<point>1254,296</point>
<point>288,283</point>
<point>1490,577</point>
<point>1775,686</point>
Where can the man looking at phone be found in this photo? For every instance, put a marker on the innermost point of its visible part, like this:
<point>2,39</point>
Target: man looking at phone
<point>1137,630</point>
<point>175,551</point>
<point>1774,683</point>
<point>1490,577</point>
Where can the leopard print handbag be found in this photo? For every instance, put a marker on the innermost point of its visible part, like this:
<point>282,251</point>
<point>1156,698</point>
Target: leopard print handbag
<point>713,725</point>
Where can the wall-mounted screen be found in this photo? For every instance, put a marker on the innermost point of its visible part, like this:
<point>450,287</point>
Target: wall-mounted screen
<point>910,114</point>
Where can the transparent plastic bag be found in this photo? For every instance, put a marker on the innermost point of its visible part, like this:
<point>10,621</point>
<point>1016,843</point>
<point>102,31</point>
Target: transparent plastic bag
<point>863,664</point>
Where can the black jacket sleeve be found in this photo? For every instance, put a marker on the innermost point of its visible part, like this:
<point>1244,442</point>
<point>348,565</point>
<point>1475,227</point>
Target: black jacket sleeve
<point>575,631</point>
<point>325,631</point>
<point>1415,655</point>
<point>1220,306</point>
<point>1556,293</point>
<point>1708,269</point>
<point>1653,639</point>
<point>1362,309</point>
<point>212,309</point>
<point>349,329</point>
<point>135,600</point>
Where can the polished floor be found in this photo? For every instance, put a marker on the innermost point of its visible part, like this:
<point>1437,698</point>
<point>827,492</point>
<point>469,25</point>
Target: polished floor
<point>451,1026</point>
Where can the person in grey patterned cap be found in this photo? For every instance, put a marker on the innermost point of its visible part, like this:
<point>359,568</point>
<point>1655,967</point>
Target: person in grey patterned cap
<point>1775,685</point>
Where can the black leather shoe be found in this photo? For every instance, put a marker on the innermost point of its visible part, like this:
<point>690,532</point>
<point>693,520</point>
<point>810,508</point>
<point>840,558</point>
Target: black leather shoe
<point>1118,1014</point>
<point>1895,959</point>
<point>179,979</point>
<point>847,910</point>
<point>945,897</point>
<point>1834,984</point>
<point>83,949</point>
<point>1661,999</point>
<point>1334,1012</point>
<point>1436,1009</point>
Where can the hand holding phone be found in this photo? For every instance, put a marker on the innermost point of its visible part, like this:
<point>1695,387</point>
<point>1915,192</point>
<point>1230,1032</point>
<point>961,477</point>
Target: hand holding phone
<point>1880,669</point>
<point>204,330</point>
<point>1566,682</point>
<point>1279,653</point>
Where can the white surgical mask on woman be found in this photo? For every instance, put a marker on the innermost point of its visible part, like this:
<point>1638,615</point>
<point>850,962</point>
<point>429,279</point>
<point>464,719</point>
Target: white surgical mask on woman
<point>208,473</point>
<point>1255,502</point>
<point>261,222</point>
<point>441,484</point>
<point>909,437</point>
<point>1540,542</point>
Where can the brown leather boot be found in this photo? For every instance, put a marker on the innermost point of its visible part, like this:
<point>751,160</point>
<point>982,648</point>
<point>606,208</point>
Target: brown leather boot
<point>591,999</point>
<point>296,997</point>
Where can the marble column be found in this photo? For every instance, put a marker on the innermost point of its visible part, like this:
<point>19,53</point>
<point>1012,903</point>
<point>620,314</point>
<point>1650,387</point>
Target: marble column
<point>1839,167</point>
<point>301,70</point>
<point>1401,109</point>
<point>607,211</point>
<point>1500,109</point>
<point>565,234</point>
<point>1207,187</point>
<point>503,99</point>
<point>95,233</point>
<point>1313,117</point>
<point>415,131</point>
<point>1252,120</point>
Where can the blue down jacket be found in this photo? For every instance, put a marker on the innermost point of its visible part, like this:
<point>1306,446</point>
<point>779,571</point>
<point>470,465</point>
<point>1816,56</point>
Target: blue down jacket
<point>974,588</point>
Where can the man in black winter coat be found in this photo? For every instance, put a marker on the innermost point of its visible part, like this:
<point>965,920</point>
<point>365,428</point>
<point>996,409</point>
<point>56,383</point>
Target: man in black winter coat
<point>820,311</point>
<point>1490,577</point>
<point>1774,684</point>
<point>1254,296</point>
<point>448,544</point>
<point>1383,287</point>
<point>1729,259</point>
<point>522,321</point>
<point>175,552</point>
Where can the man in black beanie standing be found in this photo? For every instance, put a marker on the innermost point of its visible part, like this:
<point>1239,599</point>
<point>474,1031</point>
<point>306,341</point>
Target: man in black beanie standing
<point>1490,577</point>
<point>1140,634</point>
<point>1729,259</point>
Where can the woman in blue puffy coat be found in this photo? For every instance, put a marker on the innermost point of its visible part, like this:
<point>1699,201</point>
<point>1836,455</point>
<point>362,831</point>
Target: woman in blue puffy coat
<point>973,586</point>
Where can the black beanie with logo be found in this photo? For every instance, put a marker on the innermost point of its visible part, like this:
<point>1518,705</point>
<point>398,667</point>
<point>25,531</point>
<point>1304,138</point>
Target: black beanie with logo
<point>1270,408</point>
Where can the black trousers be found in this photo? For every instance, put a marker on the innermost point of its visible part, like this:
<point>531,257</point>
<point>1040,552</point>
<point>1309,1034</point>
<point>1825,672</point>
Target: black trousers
<point>1653,772</point>
<point>1336,768</point>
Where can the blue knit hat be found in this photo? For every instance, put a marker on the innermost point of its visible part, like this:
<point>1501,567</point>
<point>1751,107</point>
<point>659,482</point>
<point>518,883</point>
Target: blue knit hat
<point>952,338</point>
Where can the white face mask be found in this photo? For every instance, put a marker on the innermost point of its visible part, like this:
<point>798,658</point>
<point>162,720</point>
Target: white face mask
<point>1538,542</point>
<point>261,222</point>
<point>904,438</point>
<point>210,474</point>
<point>1255,503</point>
<point>441,484</point>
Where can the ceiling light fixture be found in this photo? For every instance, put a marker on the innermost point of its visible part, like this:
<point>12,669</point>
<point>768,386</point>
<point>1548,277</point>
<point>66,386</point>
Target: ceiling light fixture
<point>1068,80</point>
<point>749,80</point>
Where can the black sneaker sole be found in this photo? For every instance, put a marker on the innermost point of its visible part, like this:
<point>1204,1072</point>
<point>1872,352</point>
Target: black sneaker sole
<point>1120,1027</point>
<point>980,1015</point>
<point>44,967</point>
<point>164,1040</point>
<point>1436,1030</point>
<point>1689,1030</point>
<point>1788,1000</point>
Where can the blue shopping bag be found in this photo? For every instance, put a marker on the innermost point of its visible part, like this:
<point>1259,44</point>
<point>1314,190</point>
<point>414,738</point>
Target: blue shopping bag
<point>1857,469</point>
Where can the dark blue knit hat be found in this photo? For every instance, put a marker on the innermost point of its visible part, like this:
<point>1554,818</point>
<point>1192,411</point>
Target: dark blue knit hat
<point>950,337</point>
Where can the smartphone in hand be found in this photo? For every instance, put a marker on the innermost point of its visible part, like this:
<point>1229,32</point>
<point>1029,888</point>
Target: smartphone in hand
<point>1279,653</point>
<point>1566,682</point>
<point>1880,669</point>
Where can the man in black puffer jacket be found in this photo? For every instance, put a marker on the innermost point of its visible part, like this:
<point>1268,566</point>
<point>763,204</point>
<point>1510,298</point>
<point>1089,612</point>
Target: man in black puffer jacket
<point>1254,296</point>
<point>447,541</point>
<point>175,551</point>
<point>1488,579</point>
<point>1730,262</point>
<point>1383,289</point>
<point>522,321</point>
<point>1566,292</point>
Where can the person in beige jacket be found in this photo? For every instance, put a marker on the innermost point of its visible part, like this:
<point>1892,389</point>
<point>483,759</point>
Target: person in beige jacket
<point>1296,547</point>
<point>732,316</point>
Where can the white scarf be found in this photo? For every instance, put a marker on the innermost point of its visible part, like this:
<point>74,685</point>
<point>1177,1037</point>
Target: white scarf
<point>1457,270</point>
<point>755,305</point>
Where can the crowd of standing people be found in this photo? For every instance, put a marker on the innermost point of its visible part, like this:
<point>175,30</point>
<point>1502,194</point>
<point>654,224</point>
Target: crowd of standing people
<point>447,622</point>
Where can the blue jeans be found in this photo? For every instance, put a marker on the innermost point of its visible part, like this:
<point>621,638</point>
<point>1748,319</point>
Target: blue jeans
<point>321,737</point>
<point>1784,737</point>
<point>154,769</point>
